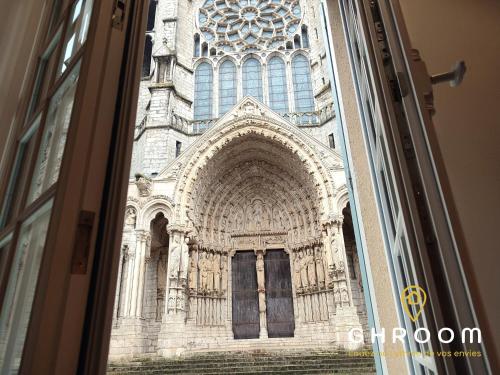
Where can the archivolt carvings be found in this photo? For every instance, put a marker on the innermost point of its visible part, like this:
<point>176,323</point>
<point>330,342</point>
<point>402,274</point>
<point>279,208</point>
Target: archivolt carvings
<point>286,139</point>
<point>253,184</point>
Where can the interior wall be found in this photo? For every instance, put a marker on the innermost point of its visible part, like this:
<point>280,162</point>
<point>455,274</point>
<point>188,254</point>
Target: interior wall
<point>467,123</point>
<point>19,28</point>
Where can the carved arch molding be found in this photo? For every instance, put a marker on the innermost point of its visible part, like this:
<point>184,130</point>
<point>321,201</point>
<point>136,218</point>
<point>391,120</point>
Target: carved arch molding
<point>254,185</point>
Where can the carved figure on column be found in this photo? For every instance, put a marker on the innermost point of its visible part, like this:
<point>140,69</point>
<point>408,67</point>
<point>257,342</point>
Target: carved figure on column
<point>311,272</point>
<point>184,259</point>
<point>217,273</point>
<point>261,285</point>
<point>175,258</point>
<point>320,270</point>
<point>130,218</point>
<point>203,265</point>
<point>345,296</point>
<point>337,297</point>
<point>296,273</point>
<point>239,222</point>
<point>224,271</point>
<point>303,270</point>
<point>210,273</point>
<point>193,273</point>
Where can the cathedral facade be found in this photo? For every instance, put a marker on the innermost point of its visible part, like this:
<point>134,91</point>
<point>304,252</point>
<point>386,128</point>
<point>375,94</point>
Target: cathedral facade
<point>237,231</point>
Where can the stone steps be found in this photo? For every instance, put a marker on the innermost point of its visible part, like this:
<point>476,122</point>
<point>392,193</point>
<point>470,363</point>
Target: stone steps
<point>283,362</point>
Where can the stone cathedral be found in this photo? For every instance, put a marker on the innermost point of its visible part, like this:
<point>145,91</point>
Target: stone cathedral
<point>237,230</point>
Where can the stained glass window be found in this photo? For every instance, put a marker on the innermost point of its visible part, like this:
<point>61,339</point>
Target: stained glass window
<point>278,90</point>
<point>235,20</point>
<point>302,86</point>
<point>203,92</point>
<point>227,87</point>
<point>252,79</point>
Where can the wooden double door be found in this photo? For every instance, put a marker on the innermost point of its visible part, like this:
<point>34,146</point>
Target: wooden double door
<point>274,304</point>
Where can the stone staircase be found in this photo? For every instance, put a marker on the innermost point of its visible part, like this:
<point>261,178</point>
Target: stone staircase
<point>251,362</point>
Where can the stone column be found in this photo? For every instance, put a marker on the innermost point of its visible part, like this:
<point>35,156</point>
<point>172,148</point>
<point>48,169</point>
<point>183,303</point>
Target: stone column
<point>138,273</point>
<point>172,338</point>
<point>346,315</point>
<point>261,285</point>
<point>120,288</point>
<point>127,289</point>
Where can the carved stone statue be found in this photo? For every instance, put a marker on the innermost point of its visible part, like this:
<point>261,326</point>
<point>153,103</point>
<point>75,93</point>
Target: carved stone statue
<point>257,217</point>
<point>143,185</point>
<point>239,220</point>
<point>193,273</point>
<point>320,270</point>
<point>337,297</point>
<point>261,285</point>
<point>303,270</point>
<point>296,274</point>
<point>184,258</point>
<point>259,265</point>
<point>217,273</point>
<point>210,273</point>
<point>203,265</point>
<point>175,258</point>
<point>223,266</point>
<point>345,296</point>
<point>130,218</point>
<point>311,269</point>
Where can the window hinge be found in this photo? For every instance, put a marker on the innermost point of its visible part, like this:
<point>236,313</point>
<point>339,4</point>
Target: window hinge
<point>118,14</point>
<point>81,248</point>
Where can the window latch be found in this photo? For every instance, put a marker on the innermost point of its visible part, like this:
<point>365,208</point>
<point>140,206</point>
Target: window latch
<point>81,248</point>
<point>455,76</point>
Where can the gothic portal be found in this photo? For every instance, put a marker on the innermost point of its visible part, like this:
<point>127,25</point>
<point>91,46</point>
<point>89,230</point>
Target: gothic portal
<point>237,230</point>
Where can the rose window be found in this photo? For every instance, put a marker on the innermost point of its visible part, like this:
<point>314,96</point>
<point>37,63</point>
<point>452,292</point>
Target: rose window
<point>246,25</point>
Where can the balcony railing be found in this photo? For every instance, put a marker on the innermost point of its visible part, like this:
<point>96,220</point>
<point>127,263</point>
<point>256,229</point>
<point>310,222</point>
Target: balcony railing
<point>196,127</point>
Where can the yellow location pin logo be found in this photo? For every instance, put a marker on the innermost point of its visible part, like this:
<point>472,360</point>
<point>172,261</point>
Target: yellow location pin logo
<point>413,299</point>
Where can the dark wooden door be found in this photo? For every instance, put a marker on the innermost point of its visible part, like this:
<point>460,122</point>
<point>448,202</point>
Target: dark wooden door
<point>245,296</point>
<point>279,300</point>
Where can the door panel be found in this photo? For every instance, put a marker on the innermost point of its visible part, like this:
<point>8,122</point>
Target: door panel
<point>53,197</point>
<point>245,296</point>
<point>279,300</point>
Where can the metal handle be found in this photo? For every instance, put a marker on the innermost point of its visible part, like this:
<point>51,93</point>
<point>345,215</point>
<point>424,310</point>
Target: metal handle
<point>455,76</point>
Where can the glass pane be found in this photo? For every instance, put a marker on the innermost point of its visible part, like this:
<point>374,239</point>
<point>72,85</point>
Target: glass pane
<point>54,137</point>
<point>76,34</point>
<point>19,174</point>
<point>16,309</point>
<point>43,75</point>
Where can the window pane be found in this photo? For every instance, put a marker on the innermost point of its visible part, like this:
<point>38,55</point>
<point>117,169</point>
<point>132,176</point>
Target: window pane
<point>16,309</point>
<point>203,92</point>
<point>278,89</point>
<point>304,98</point>
<point>19,175</point>
<point>43,75</point>
<point>76,34</point>
<point>54,136</point>
<point>227,87</point>
<point>252,79</point>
